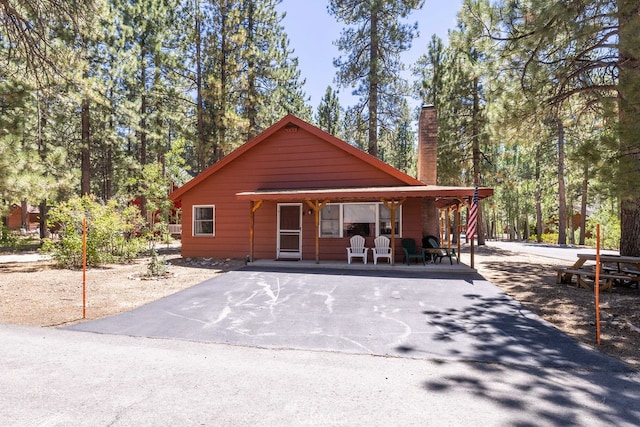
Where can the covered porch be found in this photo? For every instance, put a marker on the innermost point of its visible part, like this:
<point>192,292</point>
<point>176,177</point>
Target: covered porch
<point>434,200</point>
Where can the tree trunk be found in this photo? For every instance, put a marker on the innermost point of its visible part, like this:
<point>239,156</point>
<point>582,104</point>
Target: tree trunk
<point>373,84</point>
<point>222,119</point>
<point>562,197</point>
<point>24,214</point>
<point>201,150</point>
<point>538,197</point>
<point>158,140</point>
<point>44,230</point>
<point>630,224</point>
<point>629,111</point>
<point>108,184</point>
<point>42,152</point>
<point>143,118</point>
<point>572,225</point>
<point>108,161</point>
<point>583,205</point>
<point>252,96</point>
<point>85,175</point>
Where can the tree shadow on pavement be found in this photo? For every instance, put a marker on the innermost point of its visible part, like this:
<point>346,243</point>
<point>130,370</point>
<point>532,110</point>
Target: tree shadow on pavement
<point>520,362</point>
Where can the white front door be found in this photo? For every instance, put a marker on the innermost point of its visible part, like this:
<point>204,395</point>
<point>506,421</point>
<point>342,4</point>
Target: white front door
<point>289,231</point>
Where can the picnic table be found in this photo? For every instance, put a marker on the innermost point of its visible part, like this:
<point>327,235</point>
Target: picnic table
<point>613,270</point>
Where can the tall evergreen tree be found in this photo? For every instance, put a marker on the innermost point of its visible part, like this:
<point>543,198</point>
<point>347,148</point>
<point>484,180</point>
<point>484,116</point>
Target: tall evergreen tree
<point>39,53</point>
<point>457,79</point>
<point>593,46</point>
<point>273,83</point>
<point>372,42</point>
<point>398,145</point>
<point>329,114</point>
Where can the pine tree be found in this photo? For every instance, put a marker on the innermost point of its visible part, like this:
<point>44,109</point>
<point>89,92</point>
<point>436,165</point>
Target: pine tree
<point>329,114</point>
<point>372,41</point>
<point>273,83</point>
<point>39,53</point>
<point>591,50</point>
<point>398,143</point>
<point>29,28</point>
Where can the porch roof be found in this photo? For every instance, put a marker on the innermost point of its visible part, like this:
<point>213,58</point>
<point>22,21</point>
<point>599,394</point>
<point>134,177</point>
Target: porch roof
<point>444,195</point>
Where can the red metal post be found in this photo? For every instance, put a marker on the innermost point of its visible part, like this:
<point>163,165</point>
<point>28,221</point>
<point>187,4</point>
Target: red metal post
<point>84,268</point>
<point>597,284</point>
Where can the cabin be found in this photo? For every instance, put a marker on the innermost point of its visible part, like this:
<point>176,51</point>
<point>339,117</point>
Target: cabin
<point>23,217</point>
<point>295,192</point>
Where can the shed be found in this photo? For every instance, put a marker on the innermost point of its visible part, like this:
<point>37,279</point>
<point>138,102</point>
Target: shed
<point>295,192</point>
<point>23,216</point>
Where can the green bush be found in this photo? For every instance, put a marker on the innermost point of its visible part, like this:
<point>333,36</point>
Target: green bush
<point>550,238</point>
<point>610,233</point>
<point>111,232</point>
<point>156,267</point>
<point>7,238</point>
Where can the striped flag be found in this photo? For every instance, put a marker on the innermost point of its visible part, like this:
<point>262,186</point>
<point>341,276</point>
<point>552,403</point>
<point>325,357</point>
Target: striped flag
<point>472,221</point>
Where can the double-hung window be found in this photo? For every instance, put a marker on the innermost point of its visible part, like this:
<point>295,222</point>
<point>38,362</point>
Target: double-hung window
<point>330,221</point>
<point>204,220</point>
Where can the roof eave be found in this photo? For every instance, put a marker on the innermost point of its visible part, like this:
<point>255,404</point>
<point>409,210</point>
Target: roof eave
<point>365,193</point>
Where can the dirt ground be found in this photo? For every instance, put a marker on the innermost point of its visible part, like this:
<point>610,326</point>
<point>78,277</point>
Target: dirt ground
<point>532,281</point>
<point>39,294</point>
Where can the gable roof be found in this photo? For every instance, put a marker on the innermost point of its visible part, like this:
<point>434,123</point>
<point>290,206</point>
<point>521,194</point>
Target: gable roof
<point>290,120</point>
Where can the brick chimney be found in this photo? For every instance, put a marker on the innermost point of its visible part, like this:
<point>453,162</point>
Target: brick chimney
<point>428,166</point>
<point>428,145</point>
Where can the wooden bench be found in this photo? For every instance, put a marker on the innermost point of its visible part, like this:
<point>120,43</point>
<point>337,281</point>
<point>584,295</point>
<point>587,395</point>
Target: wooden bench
<point>565,275</point>
<point>627,276</point>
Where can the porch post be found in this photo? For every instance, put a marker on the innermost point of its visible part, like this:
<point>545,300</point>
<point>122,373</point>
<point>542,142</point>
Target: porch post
<point>253,207</point>
<point>393,233</point>
<point>448,227</point>
<point>316,210</point>
<point>316,206</point>
<point>459,217</point>
<point>393,205</point>
<point>251,226</point>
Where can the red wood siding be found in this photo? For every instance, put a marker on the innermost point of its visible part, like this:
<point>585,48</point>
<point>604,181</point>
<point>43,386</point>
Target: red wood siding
<point>286,160</point>
<point>14,219</point>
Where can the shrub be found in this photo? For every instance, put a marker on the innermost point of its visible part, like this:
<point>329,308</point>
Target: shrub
<point>111,232</point>
<point>550,238</point>
<point>7,238</point>
<point>156,267</point>
<point>610,233</point>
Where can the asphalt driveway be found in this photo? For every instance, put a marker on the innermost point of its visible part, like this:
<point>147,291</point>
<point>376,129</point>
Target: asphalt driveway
<point>405,314</point>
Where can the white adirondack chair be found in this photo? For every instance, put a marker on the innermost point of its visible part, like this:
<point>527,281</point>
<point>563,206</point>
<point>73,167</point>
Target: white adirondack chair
<point>357,249</point>
<point>382,249</point>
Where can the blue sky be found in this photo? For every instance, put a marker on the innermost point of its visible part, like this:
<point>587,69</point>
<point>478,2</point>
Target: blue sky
<point>312,31</point>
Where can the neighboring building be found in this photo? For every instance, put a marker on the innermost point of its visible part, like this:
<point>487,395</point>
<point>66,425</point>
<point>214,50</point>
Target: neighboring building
<point>297,192</point>
<point>25,217</point>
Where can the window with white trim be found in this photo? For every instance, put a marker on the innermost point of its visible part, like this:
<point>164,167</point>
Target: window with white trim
<point>330,221</point>
<point>365,219</point>
<point>204,220</point>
